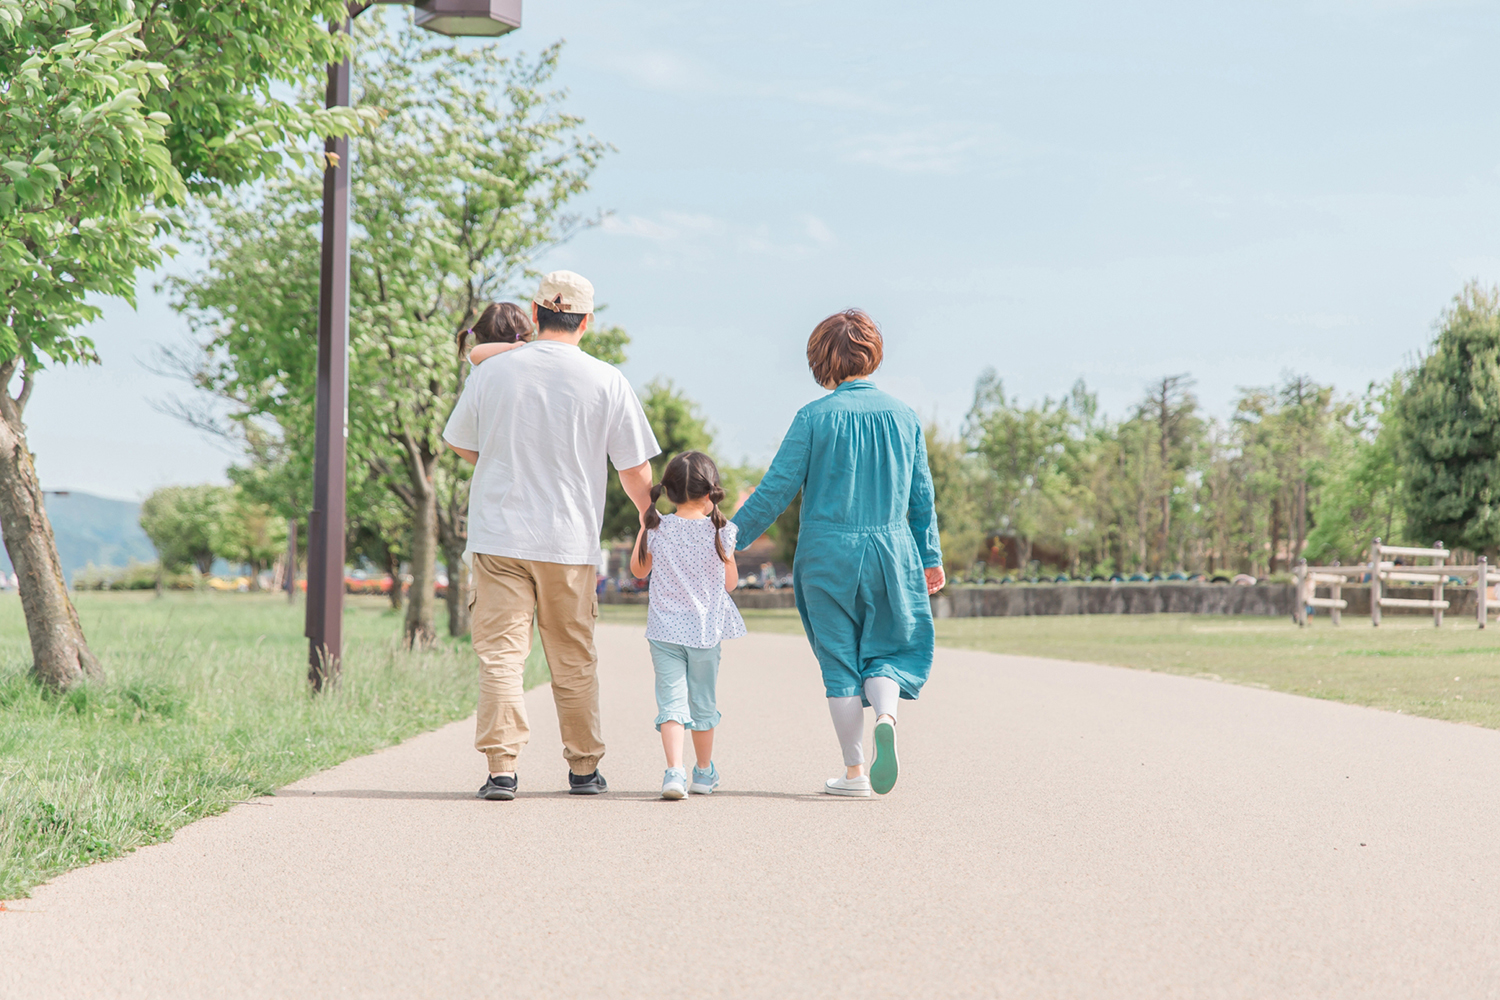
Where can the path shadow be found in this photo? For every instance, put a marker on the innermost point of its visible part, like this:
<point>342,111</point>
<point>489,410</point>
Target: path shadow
<point>368,793</point>
<point>378,793</point>
<point>634,796</point>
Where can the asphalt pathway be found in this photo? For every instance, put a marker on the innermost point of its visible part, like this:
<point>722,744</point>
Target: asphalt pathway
<point>1059,830</point>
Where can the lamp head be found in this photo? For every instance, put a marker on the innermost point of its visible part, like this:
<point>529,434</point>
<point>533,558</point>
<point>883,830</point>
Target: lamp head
<point>469,17</point>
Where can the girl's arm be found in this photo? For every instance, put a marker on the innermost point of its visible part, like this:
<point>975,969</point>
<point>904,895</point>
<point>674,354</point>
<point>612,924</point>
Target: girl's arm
<point>483,351</point>
<point>731,573</point>
<point>640,566</point>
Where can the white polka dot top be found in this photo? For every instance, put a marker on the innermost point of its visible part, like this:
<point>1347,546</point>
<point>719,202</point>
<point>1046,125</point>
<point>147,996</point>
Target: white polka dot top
<point>689,605</point>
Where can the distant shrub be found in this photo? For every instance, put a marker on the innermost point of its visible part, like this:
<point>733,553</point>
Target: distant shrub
<point>135,576</point>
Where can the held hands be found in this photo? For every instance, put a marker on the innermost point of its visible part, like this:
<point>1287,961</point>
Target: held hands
<point>936,579</point>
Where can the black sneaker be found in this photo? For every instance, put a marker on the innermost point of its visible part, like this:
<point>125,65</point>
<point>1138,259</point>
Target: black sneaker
<point>501,788</point>
<point>587,784</point>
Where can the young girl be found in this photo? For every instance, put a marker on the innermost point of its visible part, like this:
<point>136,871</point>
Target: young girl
<point>689,555</point>
<point>502,326</point>
<point>867,546</point>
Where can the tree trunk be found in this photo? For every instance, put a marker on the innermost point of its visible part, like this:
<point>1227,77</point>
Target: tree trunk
<point>60,656</point>
<point>422,600</point>
<point>458,592</point>
<point>393,570</point>
<point>1302,519</point>
<point>1275,533</point>
<point>453,538</point>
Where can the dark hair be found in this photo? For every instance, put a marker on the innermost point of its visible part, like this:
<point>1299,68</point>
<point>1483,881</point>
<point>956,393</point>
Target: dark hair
<point>546,319</point>
<point>845,345</point>
<point>691,475</point>
<point>500,323</point>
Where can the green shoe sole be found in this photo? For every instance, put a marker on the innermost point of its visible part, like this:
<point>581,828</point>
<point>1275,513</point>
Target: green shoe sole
<point>883,771</point>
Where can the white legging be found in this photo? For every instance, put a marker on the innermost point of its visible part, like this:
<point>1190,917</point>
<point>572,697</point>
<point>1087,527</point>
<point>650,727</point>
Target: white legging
<point>849,715</point>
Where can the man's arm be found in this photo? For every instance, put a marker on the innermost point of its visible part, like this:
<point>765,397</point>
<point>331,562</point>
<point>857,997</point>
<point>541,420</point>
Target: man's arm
<point>471,456</point>
<point>636,483</point>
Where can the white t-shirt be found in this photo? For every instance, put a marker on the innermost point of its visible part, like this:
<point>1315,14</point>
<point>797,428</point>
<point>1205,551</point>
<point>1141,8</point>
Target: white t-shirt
<point>689,605</point>
<point>543,417</point>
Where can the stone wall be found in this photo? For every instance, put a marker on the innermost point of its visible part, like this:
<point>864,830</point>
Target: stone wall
<point>1269,599</point>
<point>1113,599</point>
<point>757,599</point>
<point>1064,599</point>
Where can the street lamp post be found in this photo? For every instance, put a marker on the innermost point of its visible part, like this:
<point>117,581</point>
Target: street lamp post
<point>325,523</point>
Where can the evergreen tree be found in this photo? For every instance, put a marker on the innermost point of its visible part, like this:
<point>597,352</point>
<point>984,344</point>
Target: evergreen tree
<point>1449,428</point>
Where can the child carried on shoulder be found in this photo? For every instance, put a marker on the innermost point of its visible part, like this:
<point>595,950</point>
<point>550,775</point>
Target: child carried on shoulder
<point>689,556</point>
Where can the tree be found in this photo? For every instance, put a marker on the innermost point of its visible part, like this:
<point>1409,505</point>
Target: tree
<point>678,427</point>
<point>955,499</point>
<point>1448,420</point>
<point>81,156</point>
<point>108,117</point>
<point>455,192</point>
<point>1307,416</point>
<point>184,522</point>
<point>248,534</point>
<point>1171,410</point>
<point>1023,450</point>
<point>1361,499</point>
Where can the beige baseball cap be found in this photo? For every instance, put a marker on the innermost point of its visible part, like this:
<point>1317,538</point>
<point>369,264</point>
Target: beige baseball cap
<point>564,291</point>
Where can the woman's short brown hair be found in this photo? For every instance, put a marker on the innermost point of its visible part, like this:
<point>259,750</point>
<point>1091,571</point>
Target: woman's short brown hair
<point>845,345</point>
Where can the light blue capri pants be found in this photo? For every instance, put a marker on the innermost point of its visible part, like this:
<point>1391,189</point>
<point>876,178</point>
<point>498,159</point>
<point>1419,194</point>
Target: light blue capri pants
<point>687,681</point>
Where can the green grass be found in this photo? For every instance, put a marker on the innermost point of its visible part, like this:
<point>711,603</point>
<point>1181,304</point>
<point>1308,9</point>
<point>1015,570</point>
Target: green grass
<point>206,703</point>
<point>1405,665</point>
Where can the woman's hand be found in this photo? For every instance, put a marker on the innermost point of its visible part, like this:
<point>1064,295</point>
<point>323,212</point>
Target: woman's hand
<point>936,579</point>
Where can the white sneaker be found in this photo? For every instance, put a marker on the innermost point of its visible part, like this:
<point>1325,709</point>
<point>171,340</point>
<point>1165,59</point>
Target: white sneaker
<point>674,783</point>
<point>859,787</point>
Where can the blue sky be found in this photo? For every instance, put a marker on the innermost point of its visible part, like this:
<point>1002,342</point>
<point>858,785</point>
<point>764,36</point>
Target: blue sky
<point>1061,191</point>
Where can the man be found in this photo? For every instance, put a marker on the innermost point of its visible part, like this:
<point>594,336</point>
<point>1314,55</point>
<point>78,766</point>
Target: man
<point>537,423</point>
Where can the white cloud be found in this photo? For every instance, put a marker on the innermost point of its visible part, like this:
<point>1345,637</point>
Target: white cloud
<point>1318,321</point>
<point>699,235</point>
<point>634,225</point>
<point>817,230</point>
<point>944,148</point>
<point>657,69</point>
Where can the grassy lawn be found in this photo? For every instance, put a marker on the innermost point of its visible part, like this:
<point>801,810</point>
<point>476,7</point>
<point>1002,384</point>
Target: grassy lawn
<point>1405,665</point>
<point>206,703</point>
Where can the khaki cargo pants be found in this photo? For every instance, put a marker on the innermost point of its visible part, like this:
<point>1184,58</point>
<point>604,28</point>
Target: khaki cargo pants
<point>507,595</point>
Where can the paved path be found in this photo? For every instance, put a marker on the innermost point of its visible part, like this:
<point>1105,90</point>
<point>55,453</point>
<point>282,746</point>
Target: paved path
<point>1060,830</point>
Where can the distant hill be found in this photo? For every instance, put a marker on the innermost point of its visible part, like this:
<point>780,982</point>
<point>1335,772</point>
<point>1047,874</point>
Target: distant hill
<point>91,529</point>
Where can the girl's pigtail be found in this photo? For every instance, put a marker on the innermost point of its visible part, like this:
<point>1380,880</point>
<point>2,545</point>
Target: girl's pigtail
<point>652,521</point>
<point>463,338</point>
<point>716,495</point>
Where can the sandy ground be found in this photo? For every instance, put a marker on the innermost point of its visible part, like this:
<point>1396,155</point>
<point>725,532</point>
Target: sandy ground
<point>1060,830</point>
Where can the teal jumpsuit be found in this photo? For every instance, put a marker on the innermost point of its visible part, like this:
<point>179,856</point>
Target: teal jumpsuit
<point>867,532</point>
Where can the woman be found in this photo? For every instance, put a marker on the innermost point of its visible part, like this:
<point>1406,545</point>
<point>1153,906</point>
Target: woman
<point>867,549</point>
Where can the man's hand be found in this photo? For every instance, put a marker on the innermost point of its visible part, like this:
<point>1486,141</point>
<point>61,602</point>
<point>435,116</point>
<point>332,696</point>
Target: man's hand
<point>936,579</point>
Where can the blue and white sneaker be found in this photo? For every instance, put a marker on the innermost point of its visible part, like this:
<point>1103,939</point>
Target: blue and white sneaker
<point>674,783</point>
<point>704,782</point>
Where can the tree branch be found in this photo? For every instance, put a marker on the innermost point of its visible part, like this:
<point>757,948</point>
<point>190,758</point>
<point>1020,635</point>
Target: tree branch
<point>8,408</point>
<point>27,384</point>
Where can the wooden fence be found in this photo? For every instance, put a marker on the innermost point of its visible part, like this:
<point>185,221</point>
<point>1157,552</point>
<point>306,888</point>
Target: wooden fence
<point>1384,570</point>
